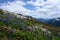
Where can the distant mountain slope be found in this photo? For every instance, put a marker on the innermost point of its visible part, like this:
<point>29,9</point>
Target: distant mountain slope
<point>42,20</point>
<point>53,21</point>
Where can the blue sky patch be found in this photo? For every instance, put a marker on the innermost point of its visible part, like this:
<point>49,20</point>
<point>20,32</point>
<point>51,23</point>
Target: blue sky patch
<point>4,1</point>
<point>45,0</point>
<point>25,0</point>
<point>30,7</point>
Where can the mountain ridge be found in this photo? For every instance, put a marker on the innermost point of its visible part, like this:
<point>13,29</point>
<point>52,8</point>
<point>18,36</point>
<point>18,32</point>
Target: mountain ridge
<point>52,21</point>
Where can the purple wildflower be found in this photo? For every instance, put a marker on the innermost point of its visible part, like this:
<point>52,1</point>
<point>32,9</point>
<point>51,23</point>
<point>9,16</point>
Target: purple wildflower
<point>27,29</point>
<point>3,19</point>
<point>13,30</point>
<point>0,19</point>
<point>33,28</point>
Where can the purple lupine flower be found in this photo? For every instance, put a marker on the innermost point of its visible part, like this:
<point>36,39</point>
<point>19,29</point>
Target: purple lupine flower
<point>22,26</point>
<point>0,19</point>
<point>4,19</point>
<point>19,22</point>
<point>13,30</point>
<point>33,28</point>
<point>27,29</point>
<point>8,22</point>
<point>9,18</point>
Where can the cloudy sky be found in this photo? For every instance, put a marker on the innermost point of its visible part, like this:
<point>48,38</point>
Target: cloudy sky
<point>34,8</point>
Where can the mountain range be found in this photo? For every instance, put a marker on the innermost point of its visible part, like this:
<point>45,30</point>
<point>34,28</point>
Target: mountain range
<point>52,21</point>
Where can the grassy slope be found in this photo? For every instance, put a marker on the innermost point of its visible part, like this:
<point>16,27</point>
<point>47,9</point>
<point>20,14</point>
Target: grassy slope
<point>14,30</point>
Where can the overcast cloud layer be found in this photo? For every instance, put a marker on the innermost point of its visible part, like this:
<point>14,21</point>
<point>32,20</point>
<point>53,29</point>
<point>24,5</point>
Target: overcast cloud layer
<point>34,8</point>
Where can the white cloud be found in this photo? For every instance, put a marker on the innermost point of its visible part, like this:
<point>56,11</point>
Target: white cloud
<point>16,6</point>
<point>37,3</point>
<point>49,9</point>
